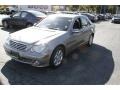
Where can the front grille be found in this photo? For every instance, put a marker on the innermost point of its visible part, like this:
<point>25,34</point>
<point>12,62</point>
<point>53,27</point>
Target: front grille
<point>26,60</point>
<point>17,45</point>
<point>117,19</point>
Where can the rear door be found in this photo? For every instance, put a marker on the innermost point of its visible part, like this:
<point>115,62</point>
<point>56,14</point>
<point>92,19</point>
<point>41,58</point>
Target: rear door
<point>86,28</point>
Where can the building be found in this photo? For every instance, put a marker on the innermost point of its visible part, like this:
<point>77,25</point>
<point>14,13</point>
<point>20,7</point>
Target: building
<point>118,10</point>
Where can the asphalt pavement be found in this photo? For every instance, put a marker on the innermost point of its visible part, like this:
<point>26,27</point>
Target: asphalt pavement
<point>96,65</point>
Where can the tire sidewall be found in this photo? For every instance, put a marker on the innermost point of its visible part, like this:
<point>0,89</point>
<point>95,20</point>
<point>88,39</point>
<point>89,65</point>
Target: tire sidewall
<point>52,57</point>
<point>90,43</point>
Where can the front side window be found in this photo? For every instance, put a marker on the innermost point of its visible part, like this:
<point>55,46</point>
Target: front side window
<point>77,24</point>
<point>84,21</point>
<point>17,15</point>
<point>56,23</point>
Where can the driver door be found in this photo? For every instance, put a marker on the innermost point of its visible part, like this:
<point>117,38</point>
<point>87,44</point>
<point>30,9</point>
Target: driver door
<point>76,36</point>
<point>15,19</point>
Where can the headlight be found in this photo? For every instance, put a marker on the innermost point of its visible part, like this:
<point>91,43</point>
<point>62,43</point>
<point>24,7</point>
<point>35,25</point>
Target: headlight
<point>38,48</point>
<point>7,41</point>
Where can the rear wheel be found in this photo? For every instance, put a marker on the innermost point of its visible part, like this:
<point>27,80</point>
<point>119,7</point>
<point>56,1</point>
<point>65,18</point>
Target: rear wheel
<point>57,57</point>
<point>5,24</point>
<point>29,25</point>
<point>90,42</point>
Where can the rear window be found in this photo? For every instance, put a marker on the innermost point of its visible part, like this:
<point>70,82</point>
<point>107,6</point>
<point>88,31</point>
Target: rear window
<point>37,13</point>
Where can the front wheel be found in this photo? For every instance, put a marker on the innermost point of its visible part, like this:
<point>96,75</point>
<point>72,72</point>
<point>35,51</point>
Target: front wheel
<point>90,42</point>
<point>5,24</point>
<point>57,57</point>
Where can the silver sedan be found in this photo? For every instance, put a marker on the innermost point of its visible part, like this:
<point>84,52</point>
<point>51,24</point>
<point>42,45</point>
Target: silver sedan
<point>47,42</point>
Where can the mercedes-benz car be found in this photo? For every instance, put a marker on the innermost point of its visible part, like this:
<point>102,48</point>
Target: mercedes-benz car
<point>116,19</point>
<point>47,42</point>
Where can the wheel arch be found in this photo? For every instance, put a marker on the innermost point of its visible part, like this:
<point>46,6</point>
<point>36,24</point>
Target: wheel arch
<point>63,46</point>
<point>92,34</point>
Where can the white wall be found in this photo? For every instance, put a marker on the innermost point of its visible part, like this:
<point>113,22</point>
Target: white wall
<point>35,7</point>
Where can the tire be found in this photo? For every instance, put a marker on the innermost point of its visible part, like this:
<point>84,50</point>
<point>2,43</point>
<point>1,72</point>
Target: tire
<point>90,42</point>
<point>29,25</point>
<point>5,24</point>
<point>57,57</point>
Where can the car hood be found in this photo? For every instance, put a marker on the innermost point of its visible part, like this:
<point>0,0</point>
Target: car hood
<point>116,17</point>
<point>35,34</point>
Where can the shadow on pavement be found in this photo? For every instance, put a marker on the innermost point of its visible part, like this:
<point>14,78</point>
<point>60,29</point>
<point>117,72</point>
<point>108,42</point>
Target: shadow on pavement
<point>10,30</point>
<point>93,65</point>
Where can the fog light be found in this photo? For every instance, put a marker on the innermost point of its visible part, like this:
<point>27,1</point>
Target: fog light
<point>36,63</point>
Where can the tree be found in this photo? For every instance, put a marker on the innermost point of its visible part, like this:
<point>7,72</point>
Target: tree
<point>93,8</point>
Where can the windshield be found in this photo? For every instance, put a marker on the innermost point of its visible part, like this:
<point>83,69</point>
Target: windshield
<point>116,16</point>
<point>56,23</point>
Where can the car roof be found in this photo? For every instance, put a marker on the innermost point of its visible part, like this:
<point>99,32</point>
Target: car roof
<point>36,13</point>
<point>66,15</point>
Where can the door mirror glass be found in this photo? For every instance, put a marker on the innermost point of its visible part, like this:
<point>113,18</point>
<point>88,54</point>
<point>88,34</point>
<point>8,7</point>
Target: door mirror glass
<point>75,30</point>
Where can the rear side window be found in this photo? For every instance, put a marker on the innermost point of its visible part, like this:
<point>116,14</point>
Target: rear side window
<point>24,14</point>
<point>30,16</point>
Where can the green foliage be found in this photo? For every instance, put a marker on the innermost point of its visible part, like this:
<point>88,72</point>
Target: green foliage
<point>92,8</point>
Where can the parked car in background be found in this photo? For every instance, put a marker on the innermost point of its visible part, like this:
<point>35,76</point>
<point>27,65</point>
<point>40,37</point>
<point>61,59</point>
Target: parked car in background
<point>47,42</point>
<point>101,17</point>
<point>10,10</point>
<point>109,15</point>
<point>92,17</point>
<point>23,19</point>
<point>64,12</point>
<point>116,19</point>
<point>49,12</point>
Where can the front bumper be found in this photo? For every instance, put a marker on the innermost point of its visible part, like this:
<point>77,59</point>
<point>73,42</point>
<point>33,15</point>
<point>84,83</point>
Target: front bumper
<point>37,60</point>
<point>116,20</point>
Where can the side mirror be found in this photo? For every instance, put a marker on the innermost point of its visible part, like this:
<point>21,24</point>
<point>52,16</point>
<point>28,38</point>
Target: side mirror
<point>75,30</point>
